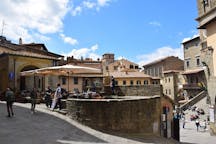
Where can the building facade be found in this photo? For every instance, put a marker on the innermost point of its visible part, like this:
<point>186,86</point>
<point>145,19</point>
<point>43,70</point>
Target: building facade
<point>194,71</point>
<point>172,82</point>
<point>207,29</point>
<point>16,58</point>
<point>157,67</point>
<point>167,69</point>
<point>132,78</point>
<point>110,64</point>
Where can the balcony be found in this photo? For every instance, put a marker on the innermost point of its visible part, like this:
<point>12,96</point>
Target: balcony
<point>192,86</point>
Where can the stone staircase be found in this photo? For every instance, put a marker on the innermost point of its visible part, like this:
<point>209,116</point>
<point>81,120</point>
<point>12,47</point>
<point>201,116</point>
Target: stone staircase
<point>194,100</point>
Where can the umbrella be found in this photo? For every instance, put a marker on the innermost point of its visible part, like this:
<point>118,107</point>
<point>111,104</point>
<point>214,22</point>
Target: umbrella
<point>66,70</point>
<point>62,70</point>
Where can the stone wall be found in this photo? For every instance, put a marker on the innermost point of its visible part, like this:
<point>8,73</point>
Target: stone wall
<point>123,115</point>
<point>141,90</point>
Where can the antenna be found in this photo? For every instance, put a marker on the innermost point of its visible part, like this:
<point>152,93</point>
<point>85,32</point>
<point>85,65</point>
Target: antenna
<point>3,24</point>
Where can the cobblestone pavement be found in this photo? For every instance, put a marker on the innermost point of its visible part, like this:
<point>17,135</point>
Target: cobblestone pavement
<point>48,127</point>
<point>190,135</point>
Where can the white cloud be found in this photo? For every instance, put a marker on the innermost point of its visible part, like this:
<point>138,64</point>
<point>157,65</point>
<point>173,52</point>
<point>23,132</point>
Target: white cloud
<point>84,52</point>
<point>68,40</point>
<point>155,23</point>
<point>89,5</point>
<point>160,53</point>
<point>102,3</point>
<point>76,11</point>
<point>27,17</point>
<point>96,5</point>
<point>34,19</point>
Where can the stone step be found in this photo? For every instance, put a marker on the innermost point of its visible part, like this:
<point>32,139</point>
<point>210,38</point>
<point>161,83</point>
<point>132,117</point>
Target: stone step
<point>63,111</point>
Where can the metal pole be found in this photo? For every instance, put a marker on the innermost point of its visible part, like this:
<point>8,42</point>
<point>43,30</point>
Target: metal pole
<point>68,81</point>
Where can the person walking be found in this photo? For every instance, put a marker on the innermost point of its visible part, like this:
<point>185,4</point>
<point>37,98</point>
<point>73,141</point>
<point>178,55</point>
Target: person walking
<point>47,97</point>
<point>57,98</point>
<point>197,124</point>
<point>112,85</point>
<point>33,100</point>
<point>184,122</point>
<point>10,98</point>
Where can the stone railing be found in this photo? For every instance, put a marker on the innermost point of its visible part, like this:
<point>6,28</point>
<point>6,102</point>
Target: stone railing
<point>194,100</point>
<point>140,90</point>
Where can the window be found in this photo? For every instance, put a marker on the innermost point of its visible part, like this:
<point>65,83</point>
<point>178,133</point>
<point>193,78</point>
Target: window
<point>131,67</point>
<point>169,79</point>
<point>136,67</point>
<point>197,79</point>
<point>107,68</point>
<point>131,82</point>
<point>166,91</point>
<point>187,64</point>
<point>124,82</point>
<point>160,71</point>
<point>75,80</point>
<point>116,82</point>
<point>169,91</point>
<point>198,61</point>
<point>115,68</point>
<point>145,82</point>
<point>150,72</point>
<point>63,80</point>
<point>39,83</point>
<point>153,71</point>
<point>138,82</point>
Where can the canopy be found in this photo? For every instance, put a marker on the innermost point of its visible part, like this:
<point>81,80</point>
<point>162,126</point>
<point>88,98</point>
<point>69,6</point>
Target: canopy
<point>62,70</point>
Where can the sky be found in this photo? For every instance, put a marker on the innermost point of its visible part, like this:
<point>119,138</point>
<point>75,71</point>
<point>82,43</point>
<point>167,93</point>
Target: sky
<point>138,30</point>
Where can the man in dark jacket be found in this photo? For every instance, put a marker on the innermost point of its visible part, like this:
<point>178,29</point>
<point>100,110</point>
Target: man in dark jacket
<point>9,96</point>
<point>33,100</point>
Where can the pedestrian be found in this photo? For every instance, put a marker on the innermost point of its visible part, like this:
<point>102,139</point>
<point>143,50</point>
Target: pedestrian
<point>184,121</point>
<point>33,96</point>
<point>112,85</point>
<point>197,124</point>
<point>57,98</point>
<point>47,97</point>
<point>10,98</point>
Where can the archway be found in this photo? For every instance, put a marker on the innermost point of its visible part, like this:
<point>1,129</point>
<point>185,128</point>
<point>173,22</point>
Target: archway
<point>23,78</point>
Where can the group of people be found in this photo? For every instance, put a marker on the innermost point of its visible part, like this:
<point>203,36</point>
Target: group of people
<point>199,124</point>
<point>49,101</point>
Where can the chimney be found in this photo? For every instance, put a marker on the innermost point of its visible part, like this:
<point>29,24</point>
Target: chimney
<point>20,41</point>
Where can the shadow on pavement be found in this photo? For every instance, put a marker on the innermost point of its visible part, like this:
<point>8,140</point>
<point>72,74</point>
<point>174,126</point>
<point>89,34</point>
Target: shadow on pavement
<point>39,128</point>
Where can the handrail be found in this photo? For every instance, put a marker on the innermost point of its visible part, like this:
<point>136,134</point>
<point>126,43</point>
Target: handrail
<point>194,100</point>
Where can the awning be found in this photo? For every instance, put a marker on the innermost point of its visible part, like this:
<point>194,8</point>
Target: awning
<point>193,71</point>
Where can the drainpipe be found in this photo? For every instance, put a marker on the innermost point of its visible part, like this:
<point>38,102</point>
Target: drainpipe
<point>14,71</point>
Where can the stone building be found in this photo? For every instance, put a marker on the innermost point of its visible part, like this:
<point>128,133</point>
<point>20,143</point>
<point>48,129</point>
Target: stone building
<point>87,62</point>
<point>110,64</point>
<point>207,29</point>
<point>194,72</point>
<point>172,83</point>
<point>157,67</point>
<point>127,78</point>
<point>167,69</point>
<point>16,58</point>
